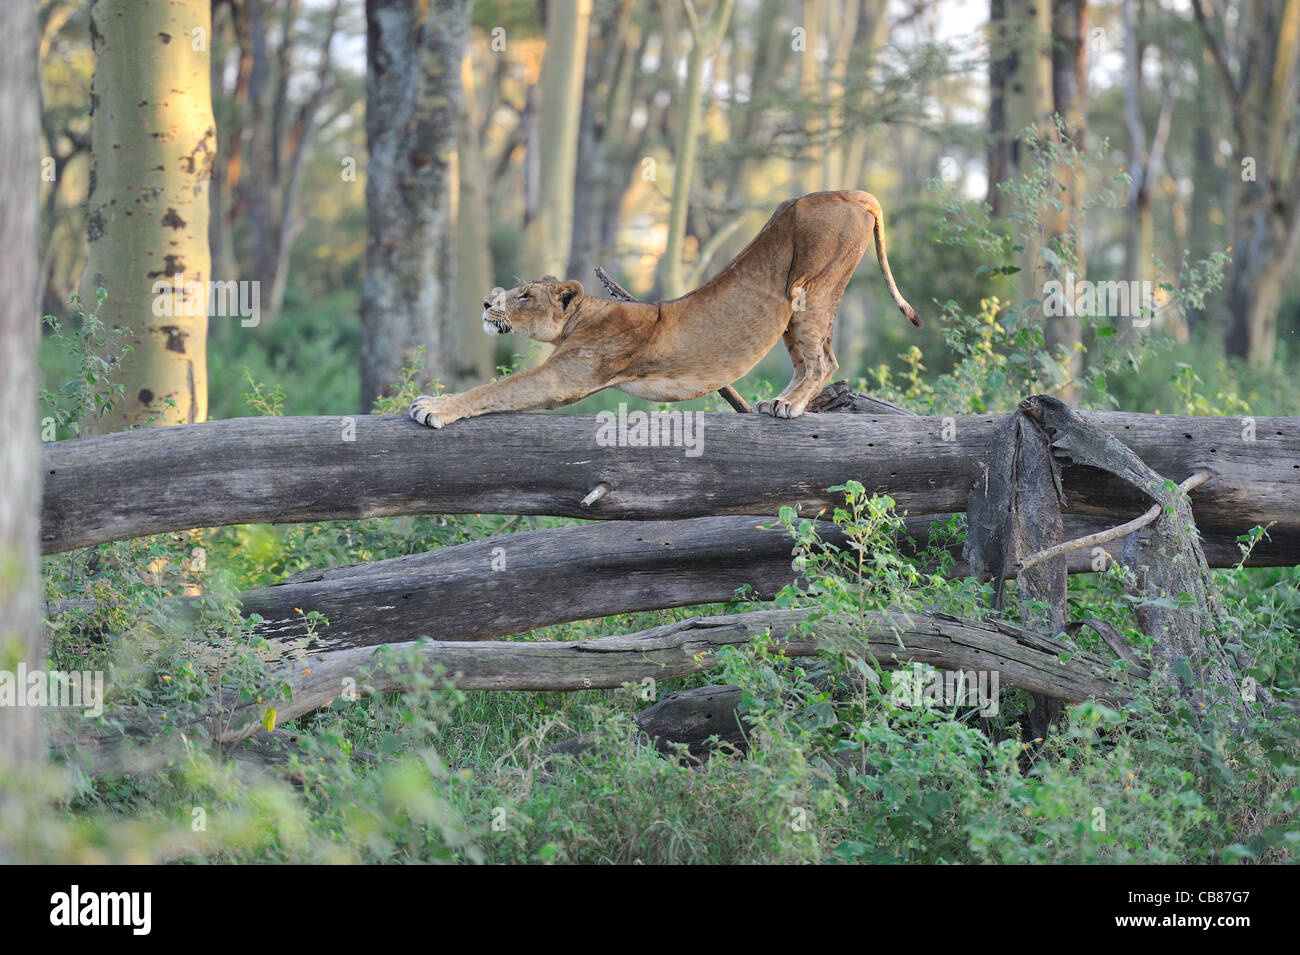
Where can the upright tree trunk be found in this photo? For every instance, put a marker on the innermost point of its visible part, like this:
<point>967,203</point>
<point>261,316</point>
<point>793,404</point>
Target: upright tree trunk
<point>706,36</point>
<point>475,354</point>
<point>1258,75</point>
<point>20,504</point>
<point>1207,182</point>
<point>153,144</point>
<point>606,57</point>
<point>413,89</point>
<point>548,238</point>
<point>810,91</point>
<point>1001,62</point>
<point>1028,103</point>
<point>1069,96</point>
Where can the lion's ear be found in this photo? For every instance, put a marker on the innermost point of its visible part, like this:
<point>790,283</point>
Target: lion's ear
<point>548,278</point>
<point>570,293</point>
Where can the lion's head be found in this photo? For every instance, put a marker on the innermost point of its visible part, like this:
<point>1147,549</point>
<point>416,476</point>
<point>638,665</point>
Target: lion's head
<point>537,309</point>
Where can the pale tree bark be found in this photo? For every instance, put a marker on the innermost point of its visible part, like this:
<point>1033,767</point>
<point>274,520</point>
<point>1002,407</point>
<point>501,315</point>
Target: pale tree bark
<point>811,90</point>
<point>871,32</point>
<point>20,504</point>
<point>548,237</point>
<point>608,57</point>
<point>413,91</point>
<point>841,31</point>
<point>1257,66</point>
<point>1028,103</point>
<point>706,37</point>
<point>153,144</point>
<point>475,351</point>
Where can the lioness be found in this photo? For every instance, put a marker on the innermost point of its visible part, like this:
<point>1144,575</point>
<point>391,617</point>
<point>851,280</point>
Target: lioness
<point>786,284</point>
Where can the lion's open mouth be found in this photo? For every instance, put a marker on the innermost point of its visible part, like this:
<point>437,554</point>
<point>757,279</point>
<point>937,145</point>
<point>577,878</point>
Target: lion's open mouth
<point>495,324</point>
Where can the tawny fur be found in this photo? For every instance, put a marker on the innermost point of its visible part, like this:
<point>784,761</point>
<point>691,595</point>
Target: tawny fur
<point>785,285</point>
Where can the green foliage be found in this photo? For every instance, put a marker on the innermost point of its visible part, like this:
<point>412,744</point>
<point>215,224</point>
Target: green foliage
<point>94,353</point>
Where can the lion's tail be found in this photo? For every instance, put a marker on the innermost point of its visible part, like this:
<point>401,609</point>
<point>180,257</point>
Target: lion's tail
<point>872,205</point>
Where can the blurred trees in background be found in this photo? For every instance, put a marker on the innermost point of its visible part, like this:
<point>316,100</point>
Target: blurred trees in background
<point>556,136</point>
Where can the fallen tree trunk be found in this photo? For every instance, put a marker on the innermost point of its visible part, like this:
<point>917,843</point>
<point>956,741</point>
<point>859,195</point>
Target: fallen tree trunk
<point>249,470</point>
<point>1021,658</point>
<point>517,582</point>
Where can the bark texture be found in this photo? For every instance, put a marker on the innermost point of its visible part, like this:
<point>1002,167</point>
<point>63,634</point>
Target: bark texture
<point>279,470</point>
<point>20,618</point>
<point>153,145</point>
<point>413,90</point>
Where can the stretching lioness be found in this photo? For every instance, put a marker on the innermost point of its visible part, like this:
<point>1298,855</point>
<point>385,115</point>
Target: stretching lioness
<point>786,284</point>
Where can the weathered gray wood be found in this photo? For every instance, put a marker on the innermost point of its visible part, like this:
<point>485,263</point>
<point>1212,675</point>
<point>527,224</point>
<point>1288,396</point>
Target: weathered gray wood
<point>581,572</point>
<point>1172,566</point>
<point>248,470</point>
<point>1021,658</point>
<point>573,573</point>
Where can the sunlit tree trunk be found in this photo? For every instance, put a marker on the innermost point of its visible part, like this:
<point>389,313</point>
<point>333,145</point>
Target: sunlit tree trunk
<point>153,144</point>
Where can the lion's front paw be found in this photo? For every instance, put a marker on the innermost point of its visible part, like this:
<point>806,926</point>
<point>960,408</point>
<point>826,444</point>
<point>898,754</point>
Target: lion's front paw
<point>432,411</point>
<point>779,408</point>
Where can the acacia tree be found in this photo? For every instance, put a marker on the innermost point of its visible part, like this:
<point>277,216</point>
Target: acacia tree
<point>1037,69</point>
<point>413,91</point>
<point>706,36</point>
<point>152,147</point>
<point>268,116</point>
<point>549,235</point>
<point>20,619</point>
<point>1256,62</point>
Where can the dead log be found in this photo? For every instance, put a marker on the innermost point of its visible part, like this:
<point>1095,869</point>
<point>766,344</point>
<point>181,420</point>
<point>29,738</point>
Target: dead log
<point>1015,510</point>
<point>1170,566</point>
<point>518,582</point>
<point>250,470</point>
<point>1020,657</point>
<point>573,573</point>
<point>1015,520</point>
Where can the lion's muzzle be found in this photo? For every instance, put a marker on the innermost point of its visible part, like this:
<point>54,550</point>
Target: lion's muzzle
<point>495,324</point>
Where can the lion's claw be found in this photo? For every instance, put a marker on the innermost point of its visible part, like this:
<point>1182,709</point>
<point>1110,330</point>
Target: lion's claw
<point>778,408</point>
<point>424,410</point>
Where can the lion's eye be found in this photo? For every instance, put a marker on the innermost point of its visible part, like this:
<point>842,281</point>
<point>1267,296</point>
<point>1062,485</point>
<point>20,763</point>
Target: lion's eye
<point>524,295</point>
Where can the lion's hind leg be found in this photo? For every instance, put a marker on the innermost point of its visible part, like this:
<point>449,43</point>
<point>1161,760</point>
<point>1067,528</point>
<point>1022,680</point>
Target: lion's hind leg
<point>810,336</point>
<point>800,363</point>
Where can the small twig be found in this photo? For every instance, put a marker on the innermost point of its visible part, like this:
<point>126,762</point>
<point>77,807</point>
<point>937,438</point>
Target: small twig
<point>597,492</point>
<point>613,288</point>
<point>732,397</point>
<point>1103,537</point>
